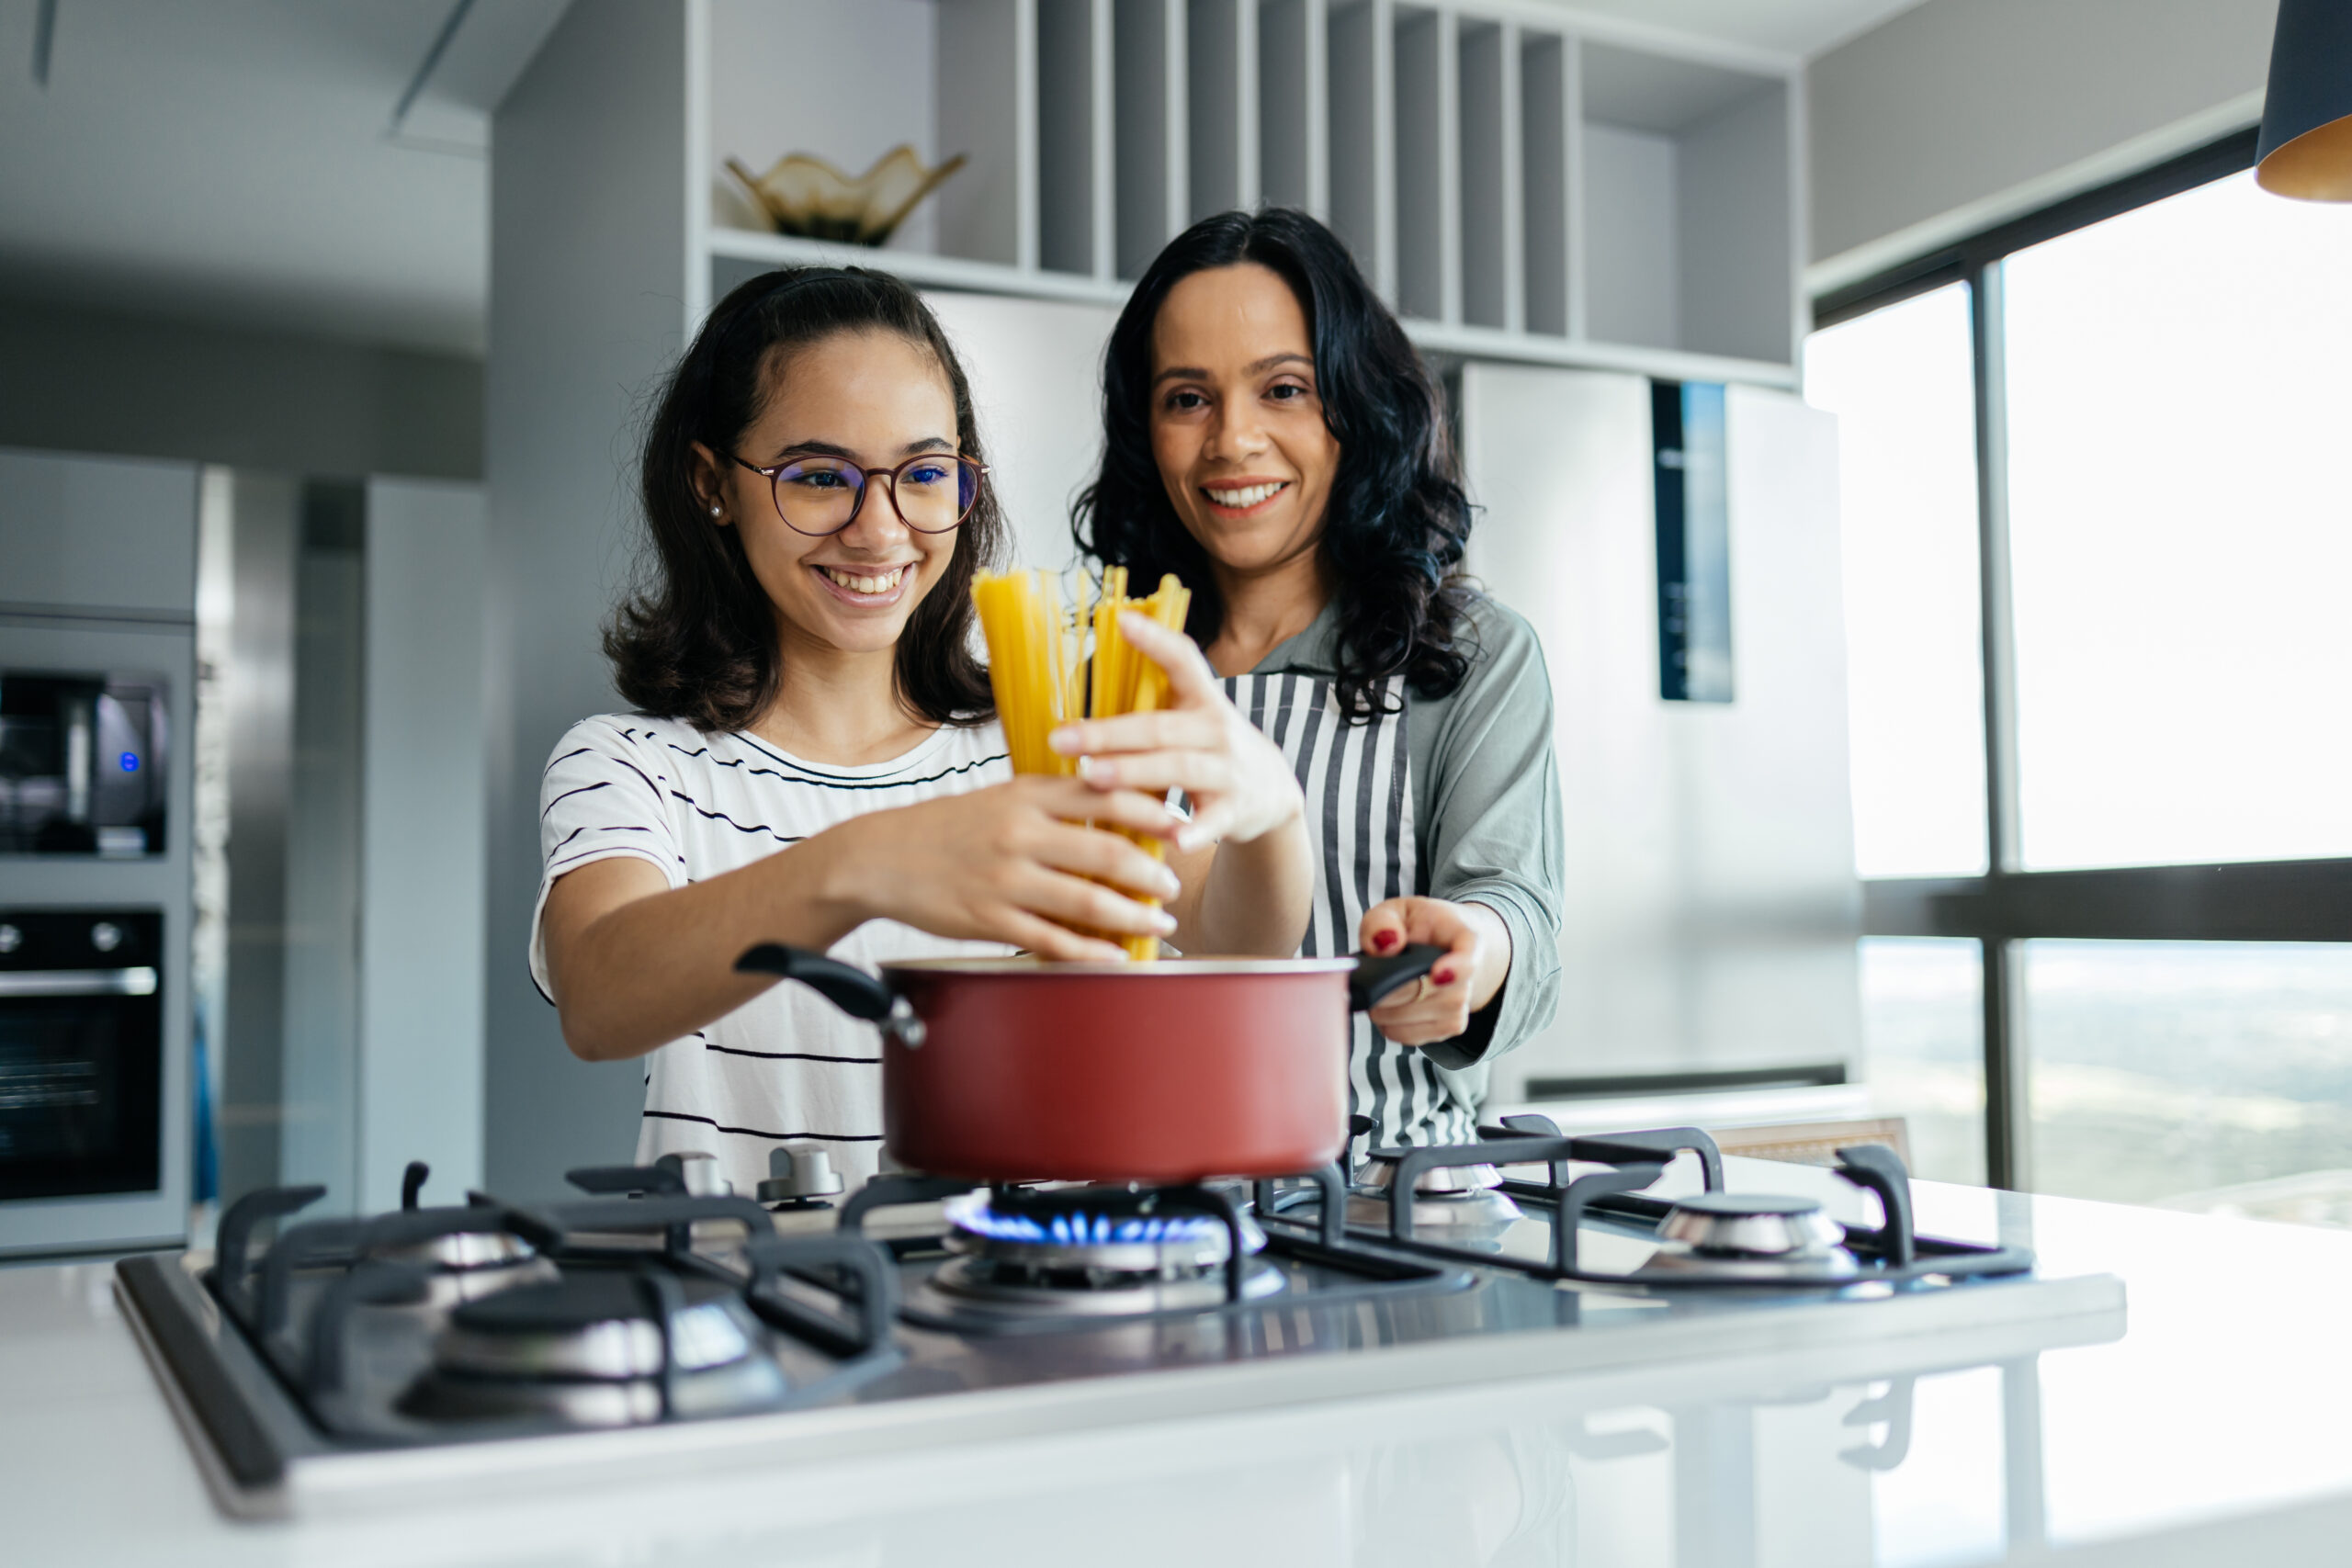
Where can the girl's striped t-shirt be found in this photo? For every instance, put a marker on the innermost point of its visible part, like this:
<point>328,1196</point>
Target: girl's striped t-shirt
<point>786,1066</point>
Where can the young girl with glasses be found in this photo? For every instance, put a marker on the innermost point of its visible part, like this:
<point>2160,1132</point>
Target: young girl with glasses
<point>812,757</point>
<point>1270,437</point>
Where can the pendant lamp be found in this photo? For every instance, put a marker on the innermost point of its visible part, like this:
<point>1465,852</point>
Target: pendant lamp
<point>2306,145</point>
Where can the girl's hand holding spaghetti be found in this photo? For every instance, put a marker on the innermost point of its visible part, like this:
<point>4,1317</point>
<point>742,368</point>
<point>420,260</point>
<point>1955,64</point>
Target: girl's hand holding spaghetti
<point>1007,863</point>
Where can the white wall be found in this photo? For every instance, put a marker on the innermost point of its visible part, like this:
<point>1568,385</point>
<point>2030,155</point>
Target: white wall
<point>1959,113</point>
<point>420,1089</point>
<point>587,288</point>
<point>1036,375</point>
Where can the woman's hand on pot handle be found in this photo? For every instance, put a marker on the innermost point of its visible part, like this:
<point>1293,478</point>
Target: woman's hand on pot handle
<point>1239,783</point>
<point>1477,960</point>
<point>1008,863</point>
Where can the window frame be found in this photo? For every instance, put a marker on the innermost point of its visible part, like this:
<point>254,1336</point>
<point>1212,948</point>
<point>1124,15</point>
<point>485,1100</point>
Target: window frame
<point>2302,900</point>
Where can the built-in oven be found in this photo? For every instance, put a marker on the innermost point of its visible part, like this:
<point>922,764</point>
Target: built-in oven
<point>80,1052</point>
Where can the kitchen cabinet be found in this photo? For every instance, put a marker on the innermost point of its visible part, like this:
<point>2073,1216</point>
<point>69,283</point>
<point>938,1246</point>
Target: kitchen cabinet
<point>101,538</point>
<point>98,583</point>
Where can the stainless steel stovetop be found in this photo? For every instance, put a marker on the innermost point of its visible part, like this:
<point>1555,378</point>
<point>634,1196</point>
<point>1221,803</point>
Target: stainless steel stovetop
<point>435,1352</point>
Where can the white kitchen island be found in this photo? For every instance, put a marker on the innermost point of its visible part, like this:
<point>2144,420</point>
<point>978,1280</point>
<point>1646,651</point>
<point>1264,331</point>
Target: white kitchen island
<point>2204,1423</point>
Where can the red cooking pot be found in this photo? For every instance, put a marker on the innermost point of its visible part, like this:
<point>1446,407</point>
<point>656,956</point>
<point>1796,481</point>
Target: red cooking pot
<point>1012,1069</point>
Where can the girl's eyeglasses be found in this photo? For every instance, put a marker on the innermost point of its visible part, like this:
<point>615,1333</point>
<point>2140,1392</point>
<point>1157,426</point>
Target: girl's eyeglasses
<point>933,491</point>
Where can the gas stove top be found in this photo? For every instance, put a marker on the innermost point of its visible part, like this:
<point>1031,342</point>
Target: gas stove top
<point>352,1362</point>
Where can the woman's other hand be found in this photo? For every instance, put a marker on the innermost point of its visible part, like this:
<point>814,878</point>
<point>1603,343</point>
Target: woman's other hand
<point>1478,959</point>
<point>1008,863</point>
<point>1240,785</point>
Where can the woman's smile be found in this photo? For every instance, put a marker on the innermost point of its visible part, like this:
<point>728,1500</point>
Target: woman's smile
<point>1244,497</point>
<point>863,586</point>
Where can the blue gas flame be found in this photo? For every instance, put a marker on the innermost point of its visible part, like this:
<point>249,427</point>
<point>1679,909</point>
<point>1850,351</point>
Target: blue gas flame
<point>1077,1228</point>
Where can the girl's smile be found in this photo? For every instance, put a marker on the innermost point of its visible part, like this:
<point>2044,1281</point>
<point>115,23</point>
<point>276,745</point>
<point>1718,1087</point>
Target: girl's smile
<point>866,587</point>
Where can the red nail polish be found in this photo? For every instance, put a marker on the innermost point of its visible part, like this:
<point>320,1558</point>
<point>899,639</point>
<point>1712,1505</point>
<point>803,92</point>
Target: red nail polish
<point>1385,941</point>
<point>1443,976</point>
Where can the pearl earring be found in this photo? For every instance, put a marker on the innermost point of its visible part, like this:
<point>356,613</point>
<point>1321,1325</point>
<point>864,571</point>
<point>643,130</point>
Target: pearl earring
<point>713,511</point>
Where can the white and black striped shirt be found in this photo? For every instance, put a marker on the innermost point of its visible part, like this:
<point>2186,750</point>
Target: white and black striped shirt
<point>785,1066</point>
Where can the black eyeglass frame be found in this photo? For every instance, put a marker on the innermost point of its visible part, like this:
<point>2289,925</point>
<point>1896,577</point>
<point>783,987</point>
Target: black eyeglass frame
<point>774,475</point>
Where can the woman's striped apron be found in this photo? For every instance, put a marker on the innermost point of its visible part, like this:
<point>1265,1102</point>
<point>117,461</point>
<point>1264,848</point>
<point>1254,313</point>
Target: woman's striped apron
<point>1359,787</point>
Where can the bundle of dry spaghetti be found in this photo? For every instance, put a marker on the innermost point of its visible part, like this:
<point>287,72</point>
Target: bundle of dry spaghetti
<point>1040,667</point>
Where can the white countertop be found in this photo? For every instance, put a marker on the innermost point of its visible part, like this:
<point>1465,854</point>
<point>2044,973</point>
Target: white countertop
<point>2212,1421</point>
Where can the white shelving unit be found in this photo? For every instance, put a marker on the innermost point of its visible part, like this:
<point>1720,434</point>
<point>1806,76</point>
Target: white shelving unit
<point>1522,182</point>
<point>1528,184</point>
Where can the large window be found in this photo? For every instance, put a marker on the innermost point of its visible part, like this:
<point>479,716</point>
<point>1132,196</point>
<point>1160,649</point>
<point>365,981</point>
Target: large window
<point>2180,532</point>
<point>2097,534</point>
<point>1922,1027</point>
<point>2215,1075</point>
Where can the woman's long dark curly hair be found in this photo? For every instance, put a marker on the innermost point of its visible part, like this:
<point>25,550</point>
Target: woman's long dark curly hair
<point>696,639</point>
<point>1394,526</point>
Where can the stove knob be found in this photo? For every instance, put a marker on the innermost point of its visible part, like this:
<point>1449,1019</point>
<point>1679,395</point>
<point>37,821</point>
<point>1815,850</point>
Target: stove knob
<point>11,938</point>
<point>700,1172</point>
<point>799,1171</point>
<point>106,936</point>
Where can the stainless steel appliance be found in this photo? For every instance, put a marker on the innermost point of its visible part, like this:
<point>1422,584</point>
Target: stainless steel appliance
<point>81,1053</point>
<point>1711,910</point>
<point>360,1364</point>
<point>83,763</point>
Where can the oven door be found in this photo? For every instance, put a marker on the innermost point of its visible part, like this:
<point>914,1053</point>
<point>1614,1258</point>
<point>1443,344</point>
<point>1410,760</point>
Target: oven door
<point>81,1053</point>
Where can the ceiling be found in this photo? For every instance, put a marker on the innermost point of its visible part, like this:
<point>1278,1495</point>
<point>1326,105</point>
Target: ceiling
<point>236,161</point>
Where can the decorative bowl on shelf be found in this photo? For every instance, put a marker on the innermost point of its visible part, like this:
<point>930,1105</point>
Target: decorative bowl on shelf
<point>809,198</point>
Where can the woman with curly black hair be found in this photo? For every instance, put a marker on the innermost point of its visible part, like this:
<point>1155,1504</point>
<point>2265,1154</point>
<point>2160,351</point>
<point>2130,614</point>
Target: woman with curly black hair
<point>1271,436</point>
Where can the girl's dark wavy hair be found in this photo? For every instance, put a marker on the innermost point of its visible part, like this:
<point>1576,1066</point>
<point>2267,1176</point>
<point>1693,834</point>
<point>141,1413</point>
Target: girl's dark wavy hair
<point>696,638</point>
<point>1397,517</point>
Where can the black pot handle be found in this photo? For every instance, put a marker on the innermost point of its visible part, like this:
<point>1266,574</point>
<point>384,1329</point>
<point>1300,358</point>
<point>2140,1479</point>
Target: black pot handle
<point>1375,978</point>
<point>853,990</point>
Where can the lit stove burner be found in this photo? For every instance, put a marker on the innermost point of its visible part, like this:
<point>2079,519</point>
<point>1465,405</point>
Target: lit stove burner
<point>1090,1250</point>
<point>1080,1228</point>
